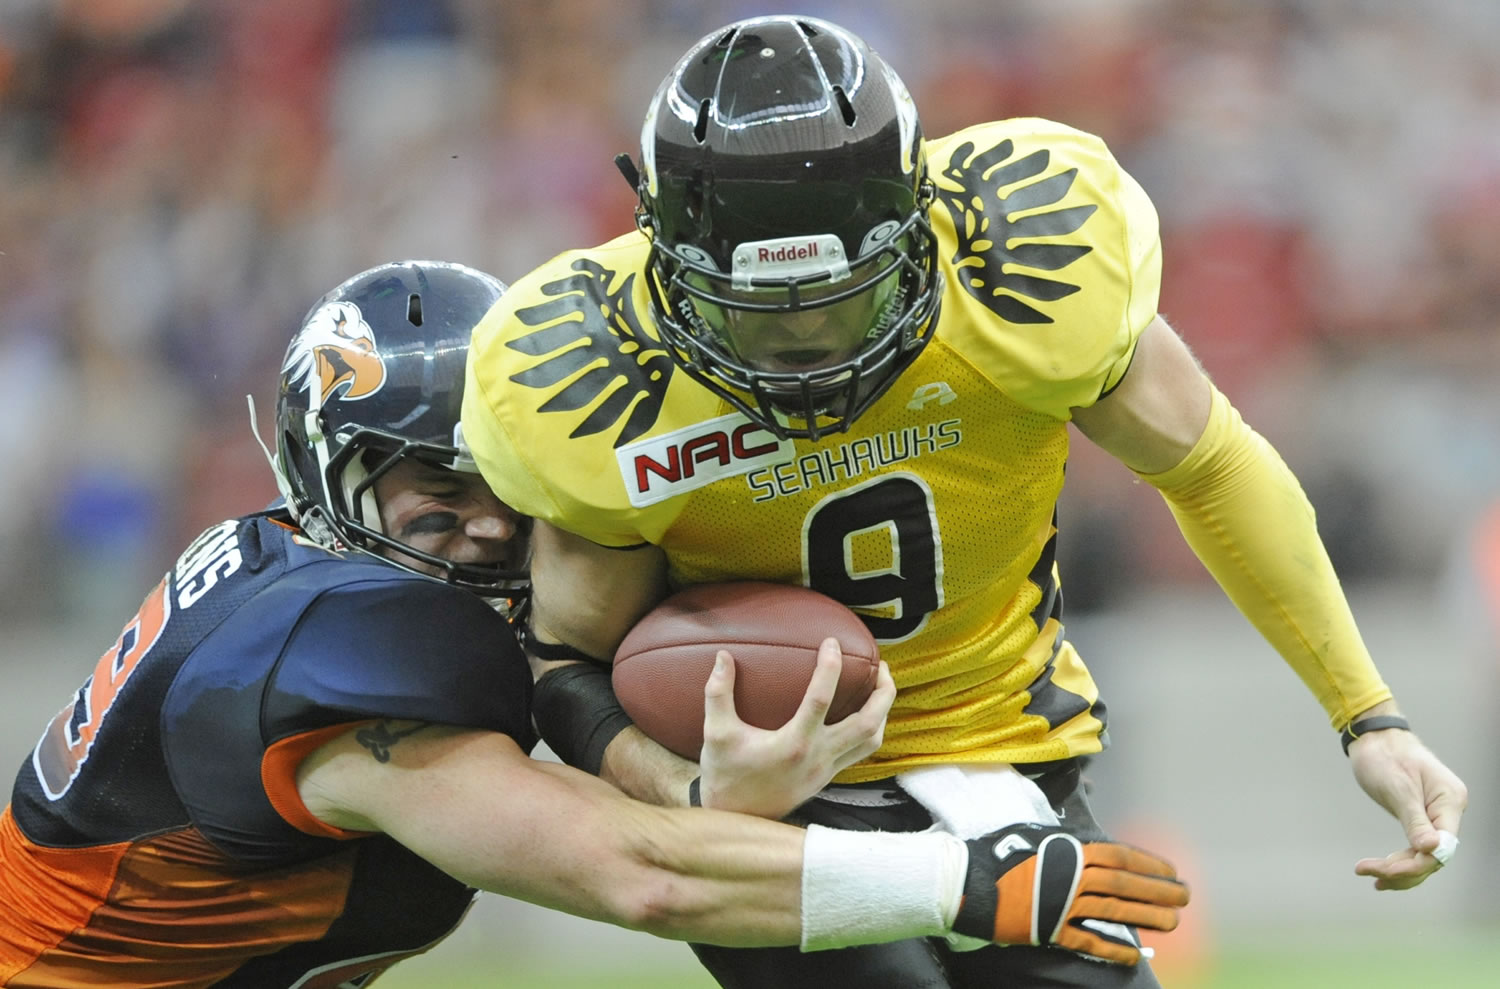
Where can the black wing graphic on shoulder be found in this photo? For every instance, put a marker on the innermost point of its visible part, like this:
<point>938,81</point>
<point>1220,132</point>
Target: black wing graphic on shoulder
<point>592,342</point>
<point>989,239</point>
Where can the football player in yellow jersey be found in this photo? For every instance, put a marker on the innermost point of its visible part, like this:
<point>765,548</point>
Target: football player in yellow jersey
<point>838,355</point>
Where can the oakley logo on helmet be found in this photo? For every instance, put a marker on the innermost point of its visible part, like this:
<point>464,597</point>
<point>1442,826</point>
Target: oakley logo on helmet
<point>336,348</point>
<point>878,235</point>
<point>697,256</point>
<point>790,257</point>
<point>686,459</point>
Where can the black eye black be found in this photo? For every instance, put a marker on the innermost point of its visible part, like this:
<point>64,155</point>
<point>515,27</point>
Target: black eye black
<point>434,523</point>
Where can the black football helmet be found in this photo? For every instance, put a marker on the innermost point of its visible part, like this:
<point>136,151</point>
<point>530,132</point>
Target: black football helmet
<point>376,374</point>
<point>784,187</point>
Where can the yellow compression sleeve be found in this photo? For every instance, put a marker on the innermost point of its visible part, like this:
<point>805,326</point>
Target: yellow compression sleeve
<point>1246,517</point>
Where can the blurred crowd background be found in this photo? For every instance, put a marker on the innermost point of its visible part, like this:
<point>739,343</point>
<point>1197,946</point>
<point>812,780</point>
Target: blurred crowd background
<point>181,179</point>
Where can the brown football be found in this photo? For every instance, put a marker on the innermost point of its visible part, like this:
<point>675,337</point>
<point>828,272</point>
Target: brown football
<point>773,632</point>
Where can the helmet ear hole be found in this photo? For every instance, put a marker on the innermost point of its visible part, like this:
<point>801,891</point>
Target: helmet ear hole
<point>700,126</point>
<point>845,107</point>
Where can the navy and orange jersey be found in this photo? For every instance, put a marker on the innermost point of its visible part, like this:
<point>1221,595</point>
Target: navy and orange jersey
<point>155,836</point>
<point>933,516</point>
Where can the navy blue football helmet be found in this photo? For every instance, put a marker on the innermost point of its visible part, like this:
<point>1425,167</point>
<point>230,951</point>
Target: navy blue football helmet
<point>784,188</point>
<point>376,374</point>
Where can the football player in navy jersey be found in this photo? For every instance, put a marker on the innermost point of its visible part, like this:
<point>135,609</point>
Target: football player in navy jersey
<point>842,354</point>
<point>310,746</point>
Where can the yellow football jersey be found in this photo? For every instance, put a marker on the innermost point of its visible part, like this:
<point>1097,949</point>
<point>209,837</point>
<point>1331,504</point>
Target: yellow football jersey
<point>933,516</point>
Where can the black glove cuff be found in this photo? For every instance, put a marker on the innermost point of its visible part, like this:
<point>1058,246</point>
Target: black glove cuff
<point>1364,726</point>
<point>990,857</point>
<point>976,911</point>
<point>576,713</point>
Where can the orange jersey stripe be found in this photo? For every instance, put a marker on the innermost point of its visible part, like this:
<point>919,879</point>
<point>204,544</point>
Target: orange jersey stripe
<point>47,893</point>
<point>278,776</point>
<point>169,911</point>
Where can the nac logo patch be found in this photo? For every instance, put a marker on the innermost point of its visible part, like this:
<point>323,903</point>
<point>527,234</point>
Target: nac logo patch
<point>696,456</point>
<point>593,353</point>
<point>983,218</point>
<point>336,348</point>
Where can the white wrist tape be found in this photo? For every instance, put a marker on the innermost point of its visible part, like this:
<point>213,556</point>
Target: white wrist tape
<point>863,887</point>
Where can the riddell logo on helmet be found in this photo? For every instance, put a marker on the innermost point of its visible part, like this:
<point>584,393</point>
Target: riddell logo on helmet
<point>686,459</point>
<point>787,252</point>
<point>791,257</point>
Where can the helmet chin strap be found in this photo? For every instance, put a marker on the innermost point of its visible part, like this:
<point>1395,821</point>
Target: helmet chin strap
<point>311,518</point>
<point>311,521</point>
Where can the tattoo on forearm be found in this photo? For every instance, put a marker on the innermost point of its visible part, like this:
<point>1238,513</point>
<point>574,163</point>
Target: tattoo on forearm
<point>379,738</point>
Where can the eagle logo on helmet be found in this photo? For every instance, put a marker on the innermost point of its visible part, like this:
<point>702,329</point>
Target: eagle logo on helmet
<point>335,349</point>
<point>994,244</point>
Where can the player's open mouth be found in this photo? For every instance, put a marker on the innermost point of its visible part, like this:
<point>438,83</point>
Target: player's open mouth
<point>800,360</point>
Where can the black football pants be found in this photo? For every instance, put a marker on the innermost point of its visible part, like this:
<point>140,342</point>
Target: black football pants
<point>926,963</point>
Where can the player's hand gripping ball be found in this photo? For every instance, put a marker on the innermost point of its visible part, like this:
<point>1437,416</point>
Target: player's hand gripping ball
<point>773,632</point>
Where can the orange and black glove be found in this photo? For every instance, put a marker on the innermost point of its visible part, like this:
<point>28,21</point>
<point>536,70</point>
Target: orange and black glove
<point>1034,884</point>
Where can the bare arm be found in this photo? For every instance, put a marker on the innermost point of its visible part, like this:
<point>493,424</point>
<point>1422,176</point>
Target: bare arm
<point>1151,421</point>
<point>474,805</point>
<point>589,595</point>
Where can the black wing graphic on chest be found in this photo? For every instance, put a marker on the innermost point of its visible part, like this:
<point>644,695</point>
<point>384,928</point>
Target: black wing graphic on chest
<point>592,343</point>
<point>989,238</point>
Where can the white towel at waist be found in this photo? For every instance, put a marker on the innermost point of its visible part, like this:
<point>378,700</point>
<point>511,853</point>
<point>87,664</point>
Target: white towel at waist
<point>972,800</point>
<point>969,801</point>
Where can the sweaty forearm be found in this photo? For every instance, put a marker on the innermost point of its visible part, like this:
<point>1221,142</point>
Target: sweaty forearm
<point>710,876</point>
<point>1246,517</point>
<point>474,805</point>
<point>646,770</point>
<point>748,881</point>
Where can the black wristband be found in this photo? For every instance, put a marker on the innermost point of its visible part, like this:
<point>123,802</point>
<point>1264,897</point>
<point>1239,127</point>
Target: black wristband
<point>577,714</point>
<point>1364,726</point>
<point>551,651</point>
<point>695,792</point>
